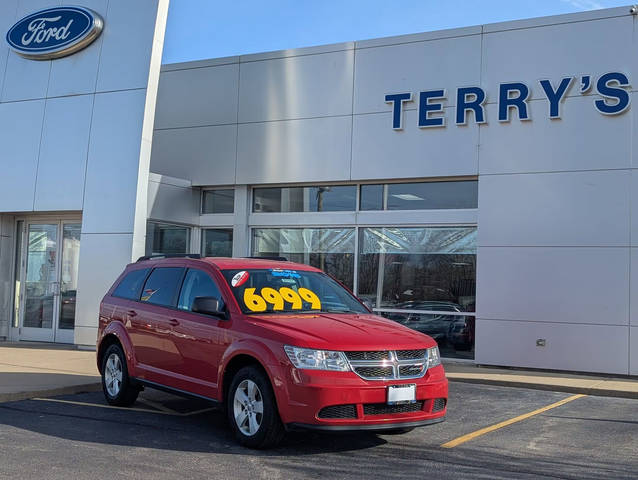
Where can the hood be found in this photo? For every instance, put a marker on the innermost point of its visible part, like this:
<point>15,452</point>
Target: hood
<point>340,331</point>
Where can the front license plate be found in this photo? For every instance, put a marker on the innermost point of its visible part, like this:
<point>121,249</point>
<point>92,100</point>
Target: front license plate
<point>401,394</point>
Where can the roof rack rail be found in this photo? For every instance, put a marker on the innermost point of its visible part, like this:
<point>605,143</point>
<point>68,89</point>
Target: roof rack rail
<point>279,259</point>
<point>169,255</point>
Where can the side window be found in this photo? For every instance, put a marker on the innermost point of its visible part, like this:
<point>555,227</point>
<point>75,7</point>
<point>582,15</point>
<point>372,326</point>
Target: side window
<point>162,285</point>
<point>197,284</point>
<point>131,284</point>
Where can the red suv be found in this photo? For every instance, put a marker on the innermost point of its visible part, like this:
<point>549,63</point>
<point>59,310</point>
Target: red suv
<point>281,345</point>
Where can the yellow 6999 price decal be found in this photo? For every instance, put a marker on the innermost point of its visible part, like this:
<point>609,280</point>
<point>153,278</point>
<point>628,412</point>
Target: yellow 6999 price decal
<point>259,303</point>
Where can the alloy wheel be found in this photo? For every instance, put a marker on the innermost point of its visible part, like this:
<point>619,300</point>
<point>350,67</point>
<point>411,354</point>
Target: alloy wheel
<point>113,375</point>
<point>248,407</point>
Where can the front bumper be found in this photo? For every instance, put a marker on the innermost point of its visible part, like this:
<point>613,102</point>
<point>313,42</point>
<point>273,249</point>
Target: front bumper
<point>365,427</point>
<point>310,392</point>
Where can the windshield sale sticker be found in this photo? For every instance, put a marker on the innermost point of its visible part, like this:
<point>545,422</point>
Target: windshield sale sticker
<point>239,279</point>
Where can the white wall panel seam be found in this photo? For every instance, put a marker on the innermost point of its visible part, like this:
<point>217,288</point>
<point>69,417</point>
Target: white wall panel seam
<point>525,320</point>
<point>547,172</point>
<point>51,97</point>
<point>88,140</point>
<point>6,62</point>
<point>352,92</point>
<point>242,58</point>
<point>236,121</point>
<point>552,24</point>
<point>424,40</point>
<point>166,67</point>
<point>44,114</point>
<point>37,163</point>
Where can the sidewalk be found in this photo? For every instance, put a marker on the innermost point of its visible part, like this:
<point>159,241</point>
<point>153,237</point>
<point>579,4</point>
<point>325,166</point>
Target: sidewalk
<point>40,370</point>
<point>606,386</point>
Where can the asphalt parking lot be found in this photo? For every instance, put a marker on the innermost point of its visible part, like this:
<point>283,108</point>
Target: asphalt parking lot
<point>164,436</point>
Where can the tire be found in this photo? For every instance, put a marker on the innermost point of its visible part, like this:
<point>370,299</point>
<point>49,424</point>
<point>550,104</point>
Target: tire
<point>250,391</point>
<point>395,431</point>
<point>116,384</point>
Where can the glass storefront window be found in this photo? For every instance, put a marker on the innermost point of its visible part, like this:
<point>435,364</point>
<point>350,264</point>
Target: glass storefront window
<point>69,278</point>
<point>330,249</point>
<point>432,195</point>
<point>371,197</point>
<point>217,242</point>
<point>425,269</point>
<point>218,201</point>
<point>327,198</point>
<point>163,238</point>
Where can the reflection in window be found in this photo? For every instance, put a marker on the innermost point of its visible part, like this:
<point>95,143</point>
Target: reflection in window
<point>371,197</point>
<point>432,195</point>
<point>422,269</point>
<point>327,198</point>
<point>217,242</point>
<point>330,249</point>
<point>218,201</point>
<point>163,238</point>
<point>420,196</point>
<point>196,284</point>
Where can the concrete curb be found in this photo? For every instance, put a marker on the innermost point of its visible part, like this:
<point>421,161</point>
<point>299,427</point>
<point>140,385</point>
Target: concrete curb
<point>52,392</point>
<point>601,392</point>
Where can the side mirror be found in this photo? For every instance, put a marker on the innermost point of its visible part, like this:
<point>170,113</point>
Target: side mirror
<point>209,306</point>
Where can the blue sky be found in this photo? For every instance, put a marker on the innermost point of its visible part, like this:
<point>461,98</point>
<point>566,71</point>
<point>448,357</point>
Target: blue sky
<point>199,29</point>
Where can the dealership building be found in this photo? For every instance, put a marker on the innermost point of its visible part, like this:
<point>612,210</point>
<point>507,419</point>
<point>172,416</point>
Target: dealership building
<point>478,184</point>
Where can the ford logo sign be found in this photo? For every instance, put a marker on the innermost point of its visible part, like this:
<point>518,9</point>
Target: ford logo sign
<point>54,32</point>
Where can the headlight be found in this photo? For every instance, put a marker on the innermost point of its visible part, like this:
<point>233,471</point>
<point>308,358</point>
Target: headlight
<point>434,359</point>
<point>317,359</point>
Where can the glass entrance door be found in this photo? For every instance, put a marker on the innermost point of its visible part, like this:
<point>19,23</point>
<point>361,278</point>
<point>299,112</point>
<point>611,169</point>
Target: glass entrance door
<point>49,271</point>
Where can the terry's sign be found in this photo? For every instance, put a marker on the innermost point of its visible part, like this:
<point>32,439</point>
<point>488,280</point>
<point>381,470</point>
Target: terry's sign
<point>54,32</point>
<point>612,89</point>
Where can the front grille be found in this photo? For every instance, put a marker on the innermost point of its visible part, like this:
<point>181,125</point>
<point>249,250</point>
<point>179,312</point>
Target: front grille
<point>411,370</point>
<point>359,356</point>
<point>374,372</point>
<point>338,411</point>
<point>410,354</point>
<point>389,364</point>
<point>385,409</point>
<point>438,404</point>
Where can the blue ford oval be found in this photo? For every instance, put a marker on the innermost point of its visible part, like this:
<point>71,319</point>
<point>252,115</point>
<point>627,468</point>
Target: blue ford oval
<point>54,32</point>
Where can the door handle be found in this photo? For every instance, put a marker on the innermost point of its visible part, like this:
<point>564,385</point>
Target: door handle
<point>132,313</point>
<point>173,322</point>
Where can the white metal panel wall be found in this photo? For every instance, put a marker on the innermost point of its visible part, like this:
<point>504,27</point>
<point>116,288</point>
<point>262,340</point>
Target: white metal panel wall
<point>75,136</point>
<point>558,208</point>
<point>555,205</point>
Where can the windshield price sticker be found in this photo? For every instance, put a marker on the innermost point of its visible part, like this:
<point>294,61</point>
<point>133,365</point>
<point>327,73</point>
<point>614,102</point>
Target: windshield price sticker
<point>278,299</point>
<point>285,273</point>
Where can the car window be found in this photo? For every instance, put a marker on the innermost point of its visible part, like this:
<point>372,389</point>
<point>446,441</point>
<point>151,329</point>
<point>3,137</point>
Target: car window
<point>196,284</point>
<point>131,284</point>
<point>162,285</point>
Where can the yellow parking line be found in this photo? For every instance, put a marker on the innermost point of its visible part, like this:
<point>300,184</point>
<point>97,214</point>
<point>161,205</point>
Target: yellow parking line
<point>162,411</point>
<point>470,436</point>
<point>84,404</point>
<point>197,412</point>
<point>155,405</point>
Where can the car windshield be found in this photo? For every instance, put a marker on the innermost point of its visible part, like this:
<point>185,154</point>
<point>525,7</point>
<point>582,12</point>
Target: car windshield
<point>289,291</point>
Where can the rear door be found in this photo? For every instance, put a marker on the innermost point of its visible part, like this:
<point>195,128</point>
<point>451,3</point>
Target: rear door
<point>159,359</point>
<point>125,301</point>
